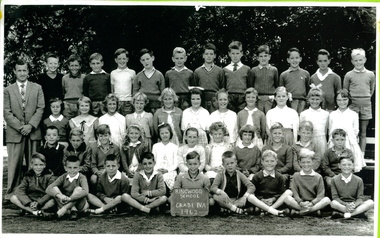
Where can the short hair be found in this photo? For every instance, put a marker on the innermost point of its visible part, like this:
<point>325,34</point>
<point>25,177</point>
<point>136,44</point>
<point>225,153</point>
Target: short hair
<point>191,129</point>
<point>344,94</point>
<point>21,61</point>
<point>323,52</point>
<point>195,91</point>
<point>306,153</point>
<point>278,90</point>
<point>315,91</point>
<point>72,158</point>
<point>276,125</point>
<point>53,100</point>
<point>84,99</point>
<point>263,48</point>
<point>307,125</point>
<point>251,90</point>
<point>293,49</point>
<point>121,51</point>
<point>74,57</point>
<point>96,56</point>
<point>219,92</point>
<point>338,132</point>
<point>39,156</point>
<point>102,129</point>
<point>76,132</point>
<point>179,50</point>
<point>358,51</point>
<point>165,125</point>
<point>269,153</point>
<point>140,96</point>
<point>209,46</point>
<point>168,92</point>
<point>110,97</point>
<point>111,157</point>
<point>215,126</point>
<point>146,155</point>
<point>227,155</point>
<point>192,155</point>
<point>145,51</point>
<point>52,127</point>
<point>51,55</point>
<point>235,45</point>
<point>247,129</point>
<point>346,157</point>
<point>126,140</point>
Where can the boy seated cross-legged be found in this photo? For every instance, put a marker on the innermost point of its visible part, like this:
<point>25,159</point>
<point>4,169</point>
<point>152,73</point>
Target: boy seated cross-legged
<point>30,195</point>
<point>70,189</point>
<point>347,192</point>
<point>112,189</point>
<point>307,188</point>
<point>148,186</point>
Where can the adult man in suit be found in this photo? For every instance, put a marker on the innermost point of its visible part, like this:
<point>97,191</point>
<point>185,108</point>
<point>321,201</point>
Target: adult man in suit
<point>23,108</point>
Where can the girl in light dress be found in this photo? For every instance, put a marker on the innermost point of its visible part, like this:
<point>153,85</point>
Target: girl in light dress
<point>196,116</point>
<point>85,122</point>
<point>113,119</point>
<point>165,154</point>
<point>285,115</point>
<point>226,116</point>
<point>348,120</point>
<point>320,119</point>
<point>169,114</point>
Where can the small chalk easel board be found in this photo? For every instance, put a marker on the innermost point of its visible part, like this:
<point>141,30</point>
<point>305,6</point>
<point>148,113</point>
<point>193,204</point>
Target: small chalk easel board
<point>189,202</point>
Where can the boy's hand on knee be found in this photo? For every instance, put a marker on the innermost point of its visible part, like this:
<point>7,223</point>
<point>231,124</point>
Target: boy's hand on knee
<point>224,196</point>
<point>33,205</point>
<point>241,202</point>
<point>350,207</point>
<point>108,200</point>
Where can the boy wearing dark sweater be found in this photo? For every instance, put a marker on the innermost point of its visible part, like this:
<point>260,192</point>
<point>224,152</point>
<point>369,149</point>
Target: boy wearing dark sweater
<point>347,191</point>
<point>179,77</point>
<point>70,189</point>
<point>148,186</point>
<point>264,78</point>
<point>97,84</point>
<point>210,77</point>
<point>236,74</point>
<point>296,80</point>
<point>112,189</point>
<point>306,187</point>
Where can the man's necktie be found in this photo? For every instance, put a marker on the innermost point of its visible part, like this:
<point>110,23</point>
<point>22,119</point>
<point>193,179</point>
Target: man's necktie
<point>235,66</point>
<point>23,96</point>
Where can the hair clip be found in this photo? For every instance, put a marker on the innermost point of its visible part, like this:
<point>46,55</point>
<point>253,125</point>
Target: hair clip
<point>161,124</point>
<point>313,86</point>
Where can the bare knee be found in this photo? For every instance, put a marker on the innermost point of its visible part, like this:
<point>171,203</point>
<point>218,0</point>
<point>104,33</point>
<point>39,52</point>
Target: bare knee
<point>14,199</point>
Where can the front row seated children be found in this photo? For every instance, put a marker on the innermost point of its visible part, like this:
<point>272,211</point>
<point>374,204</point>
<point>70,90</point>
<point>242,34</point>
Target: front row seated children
<point>270,184</point>
<point>78,148</point>
<point>232,189</point>
<point>30,195</point>
<point>247,154</point>
<point>99,153</point>
<point>215,149</point>
<point>148,186</point>
<point>112,189</point>
<point>70,189</point>
<point>53,151</point>
<point>134,144</point>
<point>307,188</point>
<point>193,178</point>
<point>330,165</point>
<point>165,153</point>
<point>347,191</point>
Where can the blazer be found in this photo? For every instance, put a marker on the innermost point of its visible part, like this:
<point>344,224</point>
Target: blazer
<point>14,115</point>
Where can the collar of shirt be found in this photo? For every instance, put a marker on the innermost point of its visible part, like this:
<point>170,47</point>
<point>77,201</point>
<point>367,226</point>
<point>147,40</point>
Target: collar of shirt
<point>117,176</point>
<point>291,69</point>
<point>53,119</point>
<point>348,179</point>
<point>211,68</point>
<point>253,110</point>
<point>231,65</point>
<point>46,146</point>
<point>75,76</point>
<point>305,145</point>
<point>126,69</point>
<point>218,144</point>
<point>110,144</point>
<point>179,70</point>
<point>241,146</point>
<point>323,77</point>
<point>260,66</point>
<point>311,174</point>
<point>141,115</point>
<point>228,174</point>
<point>71,179</point>
<point>190,178</point>
<point>134,144</point>
<point>266,174</point>
<point>102,72</point>
<point>19,84</point>
<point>142,173</point>
<point>360,71</point>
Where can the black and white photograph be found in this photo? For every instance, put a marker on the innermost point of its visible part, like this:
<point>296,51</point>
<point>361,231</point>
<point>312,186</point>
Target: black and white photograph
<point>189,118</point>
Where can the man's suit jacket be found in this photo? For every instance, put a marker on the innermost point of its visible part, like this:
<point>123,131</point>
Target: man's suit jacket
<point>14,115</point>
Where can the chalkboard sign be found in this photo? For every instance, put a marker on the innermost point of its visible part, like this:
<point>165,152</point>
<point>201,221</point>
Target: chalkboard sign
<point>189,202</point>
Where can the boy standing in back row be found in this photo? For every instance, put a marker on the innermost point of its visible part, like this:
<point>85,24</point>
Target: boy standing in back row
<point>236,75</point>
